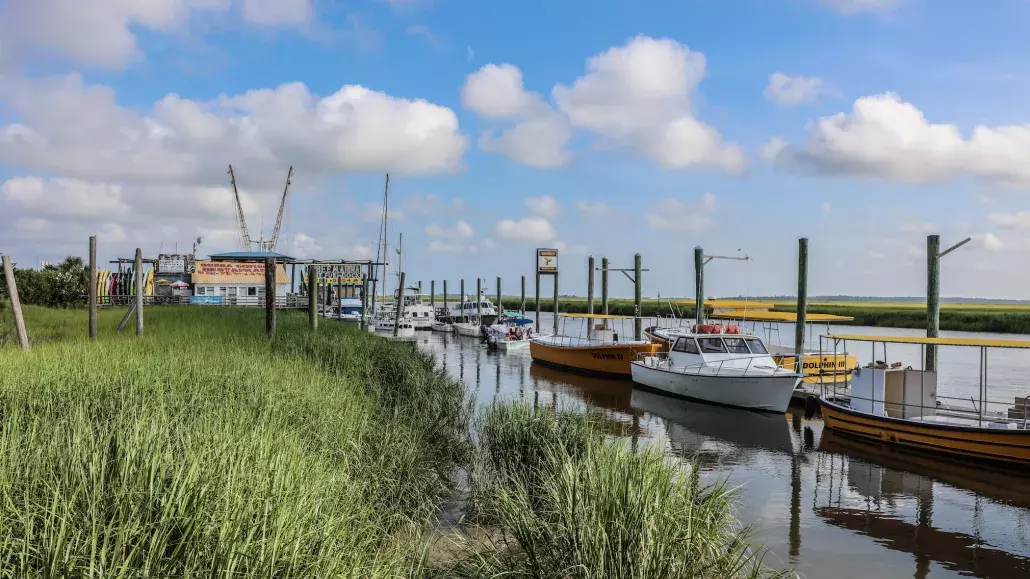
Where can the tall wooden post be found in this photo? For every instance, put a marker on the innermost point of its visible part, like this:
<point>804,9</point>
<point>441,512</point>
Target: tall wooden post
<point>522,304</point>
<point>933,298</point>
<point>590,284</point>
<point>699,284</point>
<point>638,323</point>
<point>461,302</point>
<point>555,274</point>
<point>400,306</point>
<point>604,285</point>
<point>537,308</point>
<point>479,307</point>
<point>12,289</point>
<point>139,291</point>
<point>499,308</point>
<point>446,311</point>
<point>799,325</point>
<point>432,296</point>
<point>270,296</point>
<point>339,288</point>
<point>313,297</point>
<point>92,289</point>
<point>420,287</point>
<point>293,278</point>
<point>364,302</point>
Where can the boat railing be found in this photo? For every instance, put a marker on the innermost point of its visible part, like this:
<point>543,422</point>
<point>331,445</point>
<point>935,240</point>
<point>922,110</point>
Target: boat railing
<point>711,367</point>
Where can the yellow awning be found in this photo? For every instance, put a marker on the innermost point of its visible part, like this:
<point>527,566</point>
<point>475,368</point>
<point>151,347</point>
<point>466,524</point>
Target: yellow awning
<point>977,342</point>
<point>724,304</point>
<point>596,316</point>
<point>762,316</point>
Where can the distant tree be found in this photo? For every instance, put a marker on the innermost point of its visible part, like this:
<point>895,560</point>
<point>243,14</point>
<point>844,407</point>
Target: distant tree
<point>55,286</point>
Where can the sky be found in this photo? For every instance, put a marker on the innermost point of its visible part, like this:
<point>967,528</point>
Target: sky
<point>604,128</point>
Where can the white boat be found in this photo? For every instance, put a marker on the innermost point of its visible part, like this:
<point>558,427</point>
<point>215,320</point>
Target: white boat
<point>727,369</point>
<point>470,329</point>
<point>421,313</point>
<point>438,326</point>
<point>469,311</point>
<point>515,331</point>
<point>349,310</point>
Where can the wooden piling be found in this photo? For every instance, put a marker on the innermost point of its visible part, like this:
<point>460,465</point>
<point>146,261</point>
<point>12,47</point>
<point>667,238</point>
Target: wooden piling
<point>522,304</point>
<point>364,302</point>
<point>400,306</point>
<point>802,310</point>
<point>432,296</point>
<point>12,289</point>
<point>699,284</point>
<point>933,298</point>
<point>461,301</point>
<point>339,288</point>
<point>499,308</point>
<point>293,278</point>
<point>590,284</point>
<point>139,291</point>
<point>638,323</point>
<point>270,296</point>
<point>604,285</point>
<point>537,308</point>
<point>479,307</point>
<point>446,311</point>
<point>92,289</point>
<point>555,274</point>
<point>312,297</point>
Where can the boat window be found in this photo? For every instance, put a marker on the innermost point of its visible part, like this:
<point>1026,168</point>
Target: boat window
<point>712,345</point>
<point>686,345</point>
<point>736,346</point>
<point>757,347</point>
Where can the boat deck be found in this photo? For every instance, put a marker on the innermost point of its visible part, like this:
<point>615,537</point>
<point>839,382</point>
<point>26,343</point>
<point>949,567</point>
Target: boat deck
<point>579,342</point>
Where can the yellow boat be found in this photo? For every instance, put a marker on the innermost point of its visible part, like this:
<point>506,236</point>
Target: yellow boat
<point>900,406</point>
<point>602,351</point>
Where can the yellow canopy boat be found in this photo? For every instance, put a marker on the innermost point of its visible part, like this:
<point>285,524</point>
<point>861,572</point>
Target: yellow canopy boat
<point>897,405</point>
<point>601,351</point>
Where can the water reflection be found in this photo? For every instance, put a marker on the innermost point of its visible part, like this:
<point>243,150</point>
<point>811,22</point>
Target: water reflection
<point>824,504</point>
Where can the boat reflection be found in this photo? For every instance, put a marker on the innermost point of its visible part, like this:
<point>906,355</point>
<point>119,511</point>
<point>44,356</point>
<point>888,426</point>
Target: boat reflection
<point>892,482</point>
<point>715,432</point>
<point>609,396</point>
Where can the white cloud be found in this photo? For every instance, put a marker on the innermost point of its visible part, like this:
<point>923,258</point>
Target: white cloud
<point>527,229</point>
<point>1017,220</point>
<point>304,246</point>
<point>103,33</point>
<point>990,241</point>
<point>639,96</point>
<point>794,90</point>
<point>33,224</point>
<point>372,212</point>
<point>66,197</point>
<point>64,126</point>
<point>876,255</point>
<point>458,203</point>
<point>675,215</point>
<point>451,239</point>
<point>918,227</point>
<point>888,138</point>
<point>851,7</point>
<point>544,206</point>
<point>826,208</point>
<point>773,148</point>
<point>593,208</point>
<point>539,137</point>
<point>462,230</point>
<point>111,233</point>
<point>426,203</point>
<point>574,249</point>
<point>422,31</point>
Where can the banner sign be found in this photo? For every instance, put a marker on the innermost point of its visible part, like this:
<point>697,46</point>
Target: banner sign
<point>254,268</point>
<point>346,274</point>
<point>546,260</point>
<point>166,266</point>
<point>206,300</point>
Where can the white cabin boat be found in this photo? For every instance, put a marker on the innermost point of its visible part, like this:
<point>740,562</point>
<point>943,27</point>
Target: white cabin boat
<point>438,326</point>
<point>349,310</point>
<point>727,369</point>
<point>421,313</point>
<point>469,311</point>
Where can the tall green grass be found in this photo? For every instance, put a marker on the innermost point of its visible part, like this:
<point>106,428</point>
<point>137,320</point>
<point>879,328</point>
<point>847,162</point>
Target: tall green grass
<point>205,450</point>
<point>561,502</point>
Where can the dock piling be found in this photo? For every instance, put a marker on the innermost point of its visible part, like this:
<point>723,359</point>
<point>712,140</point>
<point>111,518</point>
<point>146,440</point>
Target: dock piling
<point>432,296</point>
<point>313,297</point>
<point>445,297</point>
<point>339,288</point>
<point>522,305</point>
<point>555,303</point>
<point>590,284</point>
<point>12,290</point>
<point>604,285</point>
<point>92,290</point>
<point>364,303</point>
<point>461,301</point>
<point>479,293</point>
<point>802,310</point>
<point>499,308</point>
<point>933,298</point>
<point>638,330</point>
<point>400,306</point>
<point>270,296</point>
<point>139,291</point>
<point>537,301</point>
<point>699,285</point>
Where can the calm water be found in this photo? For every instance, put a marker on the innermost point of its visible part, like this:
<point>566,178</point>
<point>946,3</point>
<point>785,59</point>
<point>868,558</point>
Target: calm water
<point>825,505</point>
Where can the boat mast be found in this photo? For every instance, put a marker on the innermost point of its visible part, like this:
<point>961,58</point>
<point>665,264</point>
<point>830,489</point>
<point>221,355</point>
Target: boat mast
<point>383,232</point>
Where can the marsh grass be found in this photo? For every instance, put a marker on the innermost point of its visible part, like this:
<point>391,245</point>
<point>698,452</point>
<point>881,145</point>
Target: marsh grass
<point>561,501</point>
<point>205,450</point>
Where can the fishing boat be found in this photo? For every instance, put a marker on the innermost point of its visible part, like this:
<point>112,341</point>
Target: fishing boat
<point>718,365</point>
<point>441,326</point>
<point>349,310</point>
<point>600,351</point>
<point>513,332</point>
<point>901,406</point>
<point>421,314</point>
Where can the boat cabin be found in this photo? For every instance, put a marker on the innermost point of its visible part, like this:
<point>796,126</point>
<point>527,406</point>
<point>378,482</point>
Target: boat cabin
<point>741,351</point>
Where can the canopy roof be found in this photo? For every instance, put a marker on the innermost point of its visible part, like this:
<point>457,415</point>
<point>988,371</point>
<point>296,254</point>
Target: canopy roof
<point>735,304</point>
<point>763,316</point>
<point>596,316</point>
<point>977,342</point>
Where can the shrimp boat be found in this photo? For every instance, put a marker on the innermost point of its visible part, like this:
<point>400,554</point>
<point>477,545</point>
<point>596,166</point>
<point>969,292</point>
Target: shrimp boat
<point>901,406</point>
<point>601,351</point>
<point>730,369</point>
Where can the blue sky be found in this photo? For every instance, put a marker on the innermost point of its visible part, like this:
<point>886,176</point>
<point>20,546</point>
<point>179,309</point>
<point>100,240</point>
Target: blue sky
<point>612,128</point>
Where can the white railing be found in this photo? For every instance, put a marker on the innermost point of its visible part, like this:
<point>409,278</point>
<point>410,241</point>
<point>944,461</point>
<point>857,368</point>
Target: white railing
<point>712,368</point>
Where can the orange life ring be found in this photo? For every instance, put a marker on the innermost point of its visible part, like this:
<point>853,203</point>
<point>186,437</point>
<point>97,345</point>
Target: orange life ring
<point>732,329</point>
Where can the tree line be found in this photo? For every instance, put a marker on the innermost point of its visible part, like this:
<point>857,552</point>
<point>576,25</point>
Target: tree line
<point>64,285</point>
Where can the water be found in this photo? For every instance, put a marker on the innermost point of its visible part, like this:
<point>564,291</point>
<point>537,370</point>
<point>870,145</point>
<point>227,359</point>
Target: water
<point>825,505</point>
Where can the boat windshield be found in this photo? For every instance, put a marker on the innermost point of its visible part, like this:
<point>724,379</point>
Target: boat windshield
<point>686,345</point>
<point>756,345</point>
<point>736,346</point>
<point>712,345</point>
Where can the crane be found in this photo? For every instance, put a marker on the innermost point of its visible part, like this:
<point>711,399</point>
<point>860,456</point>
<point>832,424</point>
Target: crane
<point>282,209</point>
<point>241,221</point>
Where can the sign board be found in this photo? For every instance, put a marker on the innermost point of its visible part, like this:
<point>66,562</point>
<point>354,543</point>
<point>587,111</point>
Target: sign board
<point>227,268</point>
<point>547,260</point>
<point>206,300</point>
<point>350,273</point>
<point>168,264</point>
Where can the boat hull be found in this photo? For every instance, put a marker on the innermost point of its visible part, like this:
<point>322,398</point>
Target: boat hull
<point>505,345</point>
<point>612,360</point>
<point>469,330</point>
<point>769,393</point>
<point>438,326</point>
<point>821,369</point>
<point>1009,446</point>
